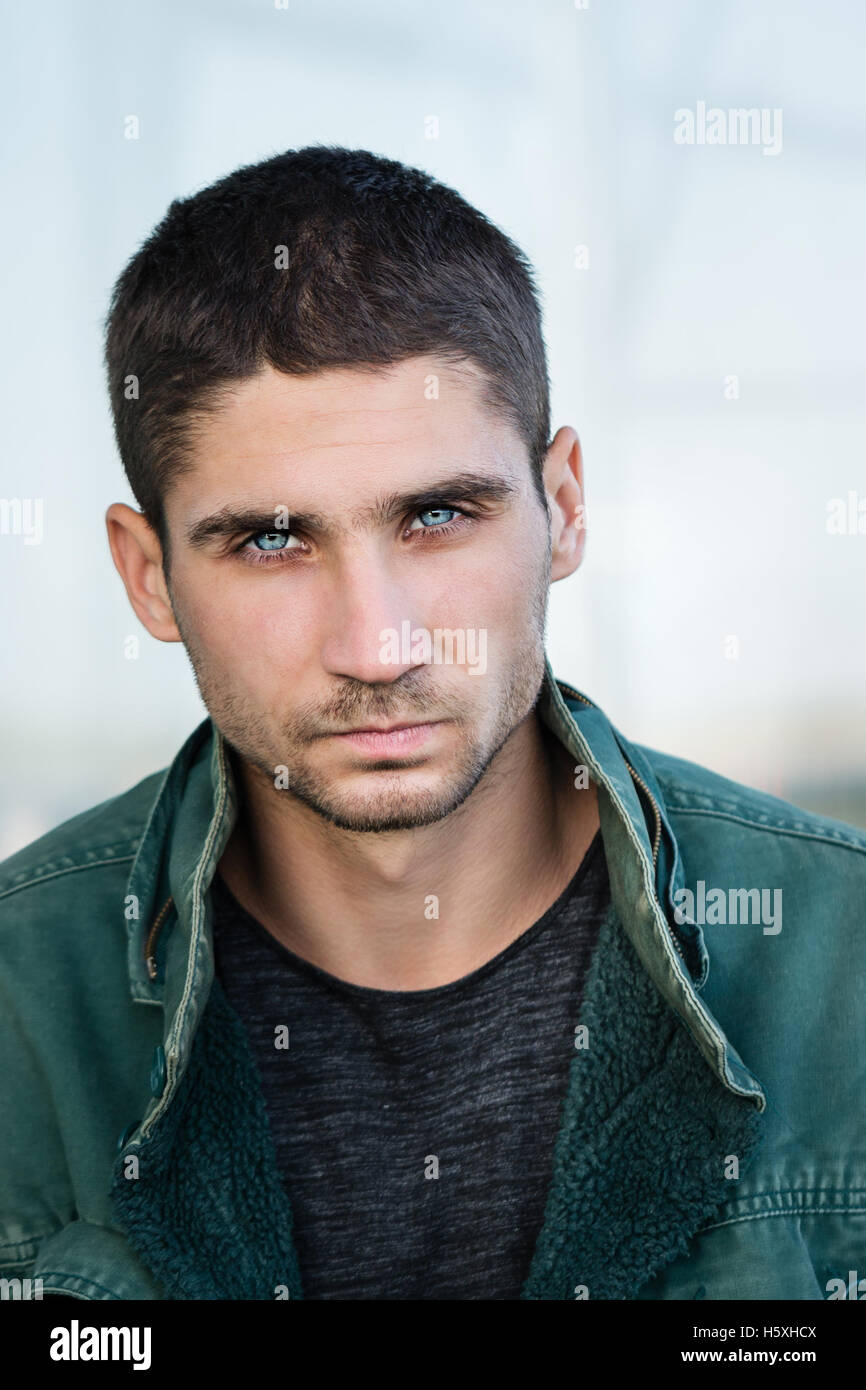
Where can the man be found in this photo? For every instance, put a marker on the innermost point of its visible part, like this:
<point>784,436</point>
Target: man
<point>410,978</point>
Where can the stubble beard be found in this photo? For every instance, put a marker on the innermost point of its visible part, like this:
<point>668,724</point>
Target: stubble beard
<point>280,765</point>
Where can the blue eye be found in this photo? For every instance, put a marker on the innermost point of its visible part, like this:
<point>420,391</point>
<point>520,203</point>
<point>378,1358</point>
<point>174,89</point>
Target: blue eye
<point>439,514</point>
<point>265,547</point>
<point>270,540</point>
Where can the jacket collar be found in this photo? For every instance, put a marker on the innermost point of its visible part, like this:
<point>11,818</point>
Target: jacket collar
<point>646,869</point>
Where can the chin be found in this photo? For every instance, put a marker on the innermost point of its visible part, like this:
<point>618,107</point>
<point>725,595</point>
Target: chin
<point>401,809</point>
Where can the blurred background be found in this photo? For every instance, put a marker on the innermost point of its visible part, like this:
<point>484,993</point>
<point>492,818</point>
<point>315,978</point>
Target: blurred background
<point>704,310</point>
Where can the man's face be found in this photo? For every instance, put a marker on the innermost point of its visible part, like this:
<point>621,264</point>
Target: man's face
<point>309,584</point>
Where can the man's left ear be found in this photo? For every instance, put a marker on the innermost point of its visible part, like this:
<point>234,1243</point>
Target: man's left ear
<point>563,483</point>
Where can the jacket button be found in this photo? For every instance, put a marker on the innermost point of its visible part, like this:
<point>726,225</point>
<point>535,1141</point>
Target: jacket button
<point>157,1072</point>
<point>127,1135</point>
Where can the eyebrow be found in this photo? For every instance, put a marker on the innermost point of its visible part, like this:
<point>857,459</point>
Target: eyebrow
<point>459,487</point>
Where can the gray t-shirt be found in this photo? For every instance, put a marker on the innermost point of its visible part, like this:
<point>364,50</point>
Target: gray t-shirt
<point>414,1130</point>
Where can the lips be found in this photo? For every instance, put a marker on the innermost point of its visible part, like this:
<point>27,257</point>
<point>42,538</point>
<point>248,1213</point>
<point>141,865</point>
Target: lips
<point>384,728</point>
<point>396,739</point>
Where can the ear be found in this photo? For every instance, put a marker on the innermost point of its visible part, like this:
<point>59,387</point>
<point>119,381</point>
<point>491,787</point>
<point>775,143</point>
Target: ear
<point>137,556</point>
<point>563,482</point>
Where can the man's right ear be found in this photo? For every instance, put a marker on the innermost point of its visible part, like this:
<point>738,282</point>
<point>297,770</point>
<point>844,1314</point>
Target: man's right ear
<point>137,556</point>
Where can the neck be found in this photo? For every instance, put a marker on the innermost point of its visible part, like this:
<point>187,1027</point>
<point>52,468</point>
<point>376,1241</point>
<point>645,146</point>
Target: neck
<point>415,909</point>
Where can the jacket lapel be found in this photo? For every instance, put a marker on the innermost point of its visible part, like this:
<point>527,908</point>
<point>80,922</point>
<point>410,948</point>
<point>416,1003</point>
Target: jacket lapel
<point>646,1134</point>
<point>208,1214</point>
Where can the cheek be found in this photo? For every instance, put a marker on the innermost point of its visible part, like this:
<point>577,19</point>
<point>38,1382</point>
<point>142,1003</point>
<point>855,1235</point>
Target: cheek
<point>236,619</point>
<point>493,588</point>
<point>263,629</point>
<point>493,600</point>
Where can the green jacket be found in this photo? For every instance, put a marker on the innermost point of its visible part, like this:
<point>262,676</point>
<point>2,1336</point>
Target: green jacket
<point>712,1142</point>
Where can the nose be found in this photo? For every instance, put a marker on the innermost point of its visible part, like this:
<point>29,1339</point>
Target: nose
<point>368,623</point>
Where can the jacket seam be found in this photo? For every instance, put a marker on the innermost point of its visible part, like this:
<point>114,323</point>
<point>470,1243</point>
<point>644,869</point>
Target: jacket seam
<point>60,873</point>
<point>845,1192</point>
<point>195,938</point>
<point>784,1211</point>
<point>29,1243</point>
<point>76,1278</point>
<point>758,825</point>
<point>153,811</point>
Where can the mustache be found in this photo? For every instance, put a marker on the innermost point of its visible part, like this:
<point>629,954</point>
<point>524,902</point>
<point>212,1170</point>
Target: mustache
<point>361,705</point>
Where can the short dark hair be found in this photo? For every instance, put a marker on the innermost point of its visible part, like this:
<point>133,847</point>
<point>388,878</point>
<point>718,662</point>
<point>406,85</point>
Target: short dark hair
<point>382,262</point>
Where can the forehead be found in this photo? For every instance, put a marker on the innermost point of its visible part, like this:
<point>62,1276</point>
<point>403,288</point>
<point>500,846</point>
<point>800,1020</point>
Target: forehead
<point>329,406</point>
<point>342,432</point>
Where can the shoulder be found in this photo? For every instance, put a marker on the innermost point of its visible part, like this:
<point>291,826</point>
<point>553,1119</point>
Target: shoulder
<point>74,1043</point>
<point>779,893</point>
<point>103,839</point>
<point>694,794</point>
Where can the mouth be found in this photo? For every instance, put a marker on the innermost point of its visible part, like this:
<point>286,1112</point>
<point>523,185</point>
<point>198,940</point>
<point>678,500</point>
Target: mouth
<point>389,738</point>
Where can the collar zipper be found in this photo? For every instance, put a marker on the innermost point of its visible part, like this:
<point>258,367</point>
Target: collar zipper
<point>150,943</point>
